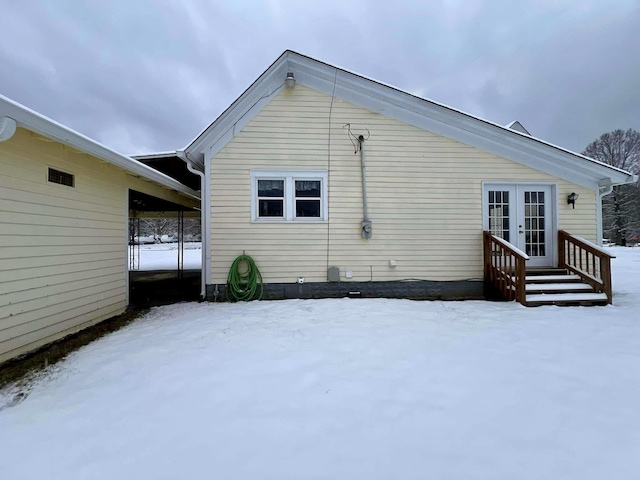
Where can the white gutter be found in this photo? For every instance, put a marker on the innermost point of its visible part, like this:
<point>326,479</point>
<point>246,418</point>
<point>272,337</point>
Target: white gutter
<point>35,122</point>
<point>204,221</point>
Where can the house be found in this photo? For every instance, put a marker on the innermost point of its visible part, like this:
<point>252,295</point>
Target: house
<point>65,202</point>
<point>338,185</point>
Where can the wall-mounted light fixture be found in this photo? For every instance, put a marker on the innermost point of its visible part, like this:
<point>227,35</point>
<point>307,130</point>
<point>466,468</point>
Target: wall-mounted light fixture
<point>571,199</point>
<point>290,81</point>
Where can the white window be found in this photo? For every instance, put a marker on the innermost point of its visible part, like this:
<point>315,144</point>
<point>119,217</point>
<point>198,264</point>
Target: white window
<point>278,196</point>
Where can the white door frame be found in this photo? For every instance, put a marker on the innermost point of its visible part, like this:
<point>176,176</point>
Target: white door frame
<point>552,214</point>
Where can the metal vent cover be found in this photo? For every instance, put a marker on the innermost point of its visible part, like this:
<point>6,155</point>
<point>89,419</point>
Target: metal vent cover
<point>62,178</point>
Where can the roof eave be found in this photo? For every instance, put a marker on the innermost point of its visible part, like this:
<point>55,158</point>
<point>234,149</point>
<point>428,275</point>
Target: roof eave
<point>420,112</point>
<point>37,123</point>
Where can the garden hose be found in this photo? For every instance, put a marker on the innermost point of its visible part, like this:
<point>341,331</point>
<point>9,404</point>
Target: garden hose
<point>244,282</point>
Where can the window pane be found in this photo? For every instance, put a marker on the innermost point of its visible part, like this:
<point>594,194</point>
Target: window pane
<point>270,188</point>
<point>271,208</point>
<point>308,188</point>
<point>308,208</point>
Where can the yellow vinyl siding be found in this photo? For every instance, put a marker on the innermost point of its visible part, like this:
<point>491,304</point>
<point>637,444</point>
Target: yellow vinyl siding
<point>424,192</point>
<point>63,263</point>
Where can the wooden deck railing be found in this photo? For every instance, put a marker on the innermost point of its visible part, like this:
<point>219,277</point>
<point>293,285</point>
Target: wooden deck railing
<point>504,268</point>
<point>589,261</point>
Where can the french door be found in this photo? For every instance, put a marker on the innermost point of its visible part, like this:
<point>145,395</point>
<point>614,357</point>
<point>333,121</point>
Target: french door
<point>523,214</point>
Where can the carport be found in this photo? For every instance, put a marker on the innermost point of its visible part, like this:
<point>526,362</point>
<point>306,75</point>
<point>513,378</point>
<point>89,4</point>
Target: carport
<point>171,282</point>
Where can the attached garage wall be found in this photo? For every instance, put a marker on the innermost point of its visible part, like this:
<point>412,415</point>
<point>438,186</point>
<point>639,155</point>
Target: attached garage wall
<point>63,250</point>
<point>425,196</point>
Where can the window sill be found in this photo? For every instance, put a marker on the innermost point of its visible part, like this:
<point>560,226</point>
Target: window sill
<point>289,222</point>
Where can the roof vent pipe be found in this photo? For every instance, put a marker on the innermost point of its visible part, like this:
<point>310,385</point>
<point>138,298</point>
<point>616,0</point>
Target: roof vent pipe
<point>290,81</point>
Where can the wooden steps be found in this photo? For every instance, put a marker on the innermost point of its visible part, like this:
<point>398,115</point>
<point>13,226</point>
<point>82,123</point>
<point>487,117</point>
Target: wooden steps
<point>557,287</point>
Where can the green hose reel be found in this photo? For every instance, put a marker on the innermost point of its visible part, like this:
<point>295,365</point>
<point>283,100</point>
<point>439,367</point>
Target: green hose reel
<point>244,282</point>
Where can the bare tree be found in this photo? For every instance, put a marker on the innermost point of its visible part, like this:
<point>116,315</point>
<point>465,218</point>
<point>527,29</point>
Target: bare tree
<point>159,227</point>
<point>621,209</point>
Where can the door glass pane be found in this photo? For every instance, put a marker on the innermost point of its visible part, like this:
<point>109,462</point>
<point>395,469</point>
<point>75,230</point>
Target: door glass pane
<point>499,213</point>
<point>534,223</point>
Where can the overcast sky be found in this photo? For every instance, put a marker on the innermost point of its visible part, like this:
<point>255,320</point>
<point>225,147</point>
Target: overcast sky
<point>148,75</point>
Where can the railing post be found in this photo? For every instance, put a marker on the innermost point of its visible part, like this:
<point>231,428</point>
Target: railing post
<point>605,272</point>
<point>562,262</point>
<point>486,240</point>
<point>521,289</point>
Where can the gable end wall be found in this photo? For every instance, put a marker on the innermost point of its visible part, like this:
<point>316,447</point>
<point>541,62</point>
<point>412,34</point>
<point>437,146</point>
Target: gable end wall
<point>424,190</point>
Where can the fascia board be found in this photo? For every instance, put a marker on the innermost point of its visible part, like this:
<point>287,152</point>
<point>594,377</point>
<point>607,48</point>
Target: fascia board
<point>387,91</point>
<point>443,121</point>
<point>424,114</point>
<point>268,84</point>
<point>35,122</point>
<point>225,132</point>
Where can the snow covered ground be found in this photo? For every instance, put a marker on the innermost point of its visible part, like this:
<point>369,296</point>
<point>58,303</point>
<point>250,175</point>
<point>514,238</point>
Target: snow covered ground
<point>164,256</point>
<point>371,389</point>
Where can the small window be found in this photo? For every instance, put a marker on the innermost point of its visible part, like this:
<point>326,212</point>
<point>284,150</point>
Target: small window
<point>61,178</point>
<point>289,196</point>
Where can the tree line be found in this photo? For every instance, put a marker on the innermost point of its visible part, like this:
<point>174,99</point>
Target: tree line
<point>621,208</point>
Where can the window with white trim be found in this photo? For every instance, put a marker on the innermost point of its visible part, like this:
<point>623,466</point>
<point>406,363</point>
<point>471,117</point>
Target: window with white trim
<point>278,196</point>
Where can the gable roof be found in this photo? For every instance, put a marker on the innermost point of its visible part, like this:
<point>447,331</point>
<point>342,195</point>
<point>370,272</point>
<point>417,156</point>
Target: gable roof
<point>518,127</point>
<point>392,102</point>
<point>13,114</point>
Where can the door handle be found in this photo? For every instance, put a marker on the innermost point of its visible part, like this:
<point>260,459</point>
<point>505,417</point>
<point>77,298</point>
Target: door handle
<point>520,231</point>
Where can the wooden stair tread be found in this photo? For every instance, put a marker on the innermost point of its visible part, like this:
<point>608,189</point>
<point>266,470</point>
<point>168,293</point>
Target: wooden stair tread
<point>531,287</point>
<point>567,297</point>
<point>552,278</point>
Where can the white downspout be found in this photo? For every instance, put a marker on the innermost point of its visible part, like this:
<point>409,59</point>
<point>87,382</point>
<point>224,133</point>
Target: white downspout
<point>602,192</point>
<point>203,221</point>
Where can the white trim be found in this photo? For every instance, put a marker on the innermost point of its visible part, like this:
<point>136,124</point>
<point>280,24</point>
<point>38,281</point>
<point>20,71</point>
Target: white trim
<point>128,250</point>
<point>518,127</point>
<point>289,177</point>
<point>425,114</point>
<point>35,122</point>
<point>553,210</point>
<point>206,195</point>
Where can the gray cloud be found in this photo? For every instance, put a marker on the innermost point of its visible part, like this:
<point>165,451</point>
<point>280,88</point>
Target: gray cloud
<point>146,75</point>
